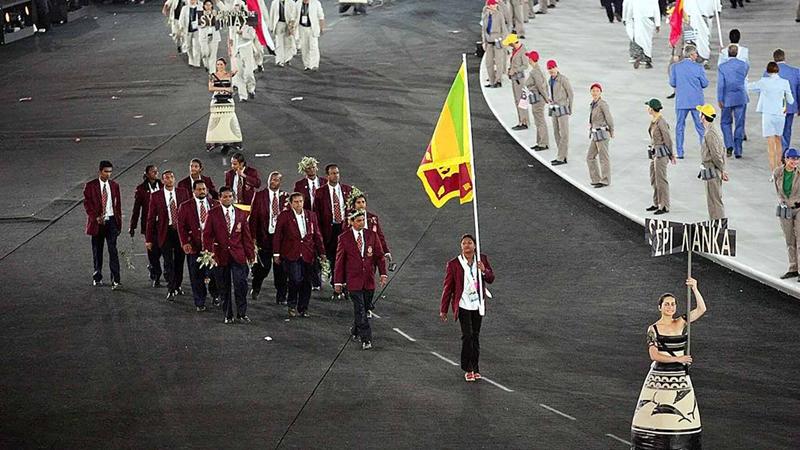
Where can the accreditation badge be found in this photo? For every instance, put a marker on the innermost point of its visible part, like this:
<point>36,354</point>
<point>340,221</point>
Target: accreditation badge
<point>239,227</point>
<point>472,292</point>
<point>369,250</point>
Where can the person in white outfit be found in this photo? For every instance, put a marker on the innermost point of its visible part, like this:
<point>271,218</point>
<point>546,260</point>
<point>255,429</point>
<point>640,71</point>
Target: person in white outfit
<point>310,25</point>
<point>188,27</point>
<point>775,94</point>
<point>282,25</point>
<point>172,10</point>
<point>642,20</point>
<point>209,36</point>
<point>245,79</point>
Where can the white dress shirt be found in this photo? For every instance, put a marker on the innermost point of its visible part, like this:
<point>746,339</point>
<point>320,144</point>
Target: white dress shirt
<point>356,234</point>
<point>168,195</point>
<point>109,206</point>
<point>301,223</point>
<point>337,191</point>
<point>469,296</point>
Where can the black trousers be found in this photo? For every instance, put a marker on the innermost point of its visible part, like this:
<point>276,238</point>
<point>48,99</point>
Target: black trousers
<point>173,259</point>
<point>260,272</point>
<point>154,262</point>
<point>613,9</point>
<point>107,235</point>
<point>299,275</point>
<point>330,247</point>
<point>235,275</point>
<point>197,276</point>
<point>470,339</point>
<point>361,302</point>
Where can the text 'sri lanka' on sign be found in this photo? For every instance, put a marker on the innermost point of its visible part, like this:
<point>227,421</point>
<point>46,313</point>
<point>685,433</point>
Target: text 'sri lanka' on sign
<point>712,237</point>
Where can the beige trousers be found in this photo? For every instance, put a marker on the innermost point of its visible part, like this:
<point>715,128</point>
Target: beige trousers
<point>599,171</point>
<point>516,88</point>
<point>561,134</point>
<point>716,210</point>
<point>543,6</point>
<point>519,18</point>
<point>791,234</point>
<point>658,180</point>
<point>542,138</point>
<point>495,62</point>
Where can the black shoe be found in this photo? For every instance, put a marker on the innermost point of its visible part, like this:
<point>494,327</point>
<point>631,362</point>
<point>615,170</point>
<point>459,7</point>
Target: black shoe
<point>115,285</point>
<point>179,291</point>
<point>253,294</point>
<point>228,321</point>
<point>652,208</point>
<point>354,337</point>
<point>519,127</point>
<point>305,314</point>
<point>243,319</point>
<point>156,283</point>
<point>366,345</point>
<point>680,157</point>
<point>661,211</point>
<point>556,162</point>
<point>215,302</point>
<point>671,95</point>
<point>488,85</point>
<point>729,150</point>
<point>260,68</point>
<point>201,308</point>
<point>251,96</point>
<point>790,274</point>
<point>292,312</point>
<point>600,185</point>
<point>171,296</point>
<point>538,12</point>
<point>648,65</point>
<point>539,148</point>
<point>498,84</point>
<point>738,156</point>
<point>551,6</point>
<point>306,69</point>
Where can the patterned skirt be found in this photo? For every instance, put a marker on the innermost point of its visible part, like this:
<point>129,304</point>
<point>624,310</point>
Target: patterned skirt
<point>666,416</point>
<point>223,125</point>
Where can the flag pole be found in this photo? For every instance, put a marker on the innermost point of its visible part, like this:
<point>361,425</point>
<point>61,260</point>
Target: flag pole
<point>719,28</point>
<point>689,306</point>
<point>474,188</point>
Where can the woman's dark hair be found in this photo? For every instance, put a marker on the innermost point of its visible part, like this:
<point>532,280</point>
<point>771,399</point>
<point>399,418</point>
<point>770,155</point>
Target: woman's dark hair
<point>664,296</point>
<point>147,169</point>
<point>772,67</point>
<point>467,236</point>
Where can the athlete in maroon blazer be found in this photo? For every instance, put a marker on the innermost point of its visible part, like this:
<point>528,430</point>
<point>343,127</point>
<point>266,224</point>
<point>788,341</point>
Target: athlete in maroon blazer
<point>233,249</point>
<point>358,254</point>
<point>102,226</point>
<point>251,181</point>
<point>164,235</point>
<point>190,231</point>
<point>308,166</point>
<point>323,206</point>
<point>141,206</point>
<point>267,206</point>
<point>196,173</point>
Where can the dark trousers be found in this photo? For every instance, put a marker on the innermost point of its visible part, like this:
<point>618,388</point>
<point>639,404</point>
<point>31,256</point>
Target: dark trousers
<point>299,275</point>
<point>613,8</point>
<point>233,274</point>
<point>197,276</point>
<point>358,8</point>
<point>330,247</point>
<point>154,262</point>
<point>106,235</point>
<point>261,271</point>
<point>361,302</point>
<point>470,341</point>
<point>173,256</point>
<point>786,139</point>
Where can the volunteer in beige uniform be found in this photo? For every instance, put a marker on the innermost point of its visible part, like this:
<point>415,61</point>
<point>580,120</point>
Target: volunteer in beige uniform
<point>494,31</point>
<point>518,17</point>
<point>660,153</point>
<point>538,96</point>
<point>601,130</point>
<point>516,73</point>
<point>712,154</point>
<point>310,25</point>
<point>560,108</point>
<point>787,186</point>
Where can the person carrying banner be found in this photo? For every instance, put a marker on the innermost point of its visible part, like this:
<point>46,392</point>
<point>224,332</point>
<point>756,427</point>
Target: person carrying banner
<point>712,154</point>
<point>660,153</point>
<point>666,414</point>
<point>516,73</point>
<point>538,97</point>
<point>494,31</point>
<point>787,186</point>
<point>209,36</point>
<point>601,130</point>
<point>460,293</point>
<point>560,108</point>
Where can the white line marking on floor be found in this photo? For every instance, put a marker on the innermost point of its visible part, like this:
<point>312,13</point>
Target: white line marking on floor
<point>618,439</point>
<point>496,384</point>
<point>376,316</point>
<point>452,363</point>
<point>557,411</point>
<point>400,332</point>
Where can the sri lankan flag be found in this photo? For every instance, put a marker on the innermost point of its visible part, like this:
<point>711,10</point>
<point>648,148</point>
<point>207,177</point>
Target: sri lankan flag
<point>445,168</point>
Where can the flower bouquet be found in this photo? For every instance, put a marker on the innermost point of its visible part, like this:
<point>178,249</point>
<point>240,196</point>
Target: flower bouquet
<point>325,267</point>
<point>127,255</point>
<point>206,259</point>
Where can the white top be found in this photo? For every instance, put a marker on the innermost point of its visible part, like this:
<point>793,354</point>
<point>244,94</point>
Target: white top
<point>109,206</point>
<point>337,191</point>
<point>356,234</point>
<point>169,195</point>
<point>301,223</point>
<point>775,94</point>
<point>469,297</point>
<point>197,203</point>
<point>743,55</point>
<point>232,214</point>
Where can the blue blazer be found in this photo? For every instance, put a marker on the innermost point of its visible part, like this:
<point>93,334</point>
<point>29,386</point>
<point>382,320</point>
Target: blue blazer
<point>689,79</point>
<point>731,83</point>
<point>792,75</point>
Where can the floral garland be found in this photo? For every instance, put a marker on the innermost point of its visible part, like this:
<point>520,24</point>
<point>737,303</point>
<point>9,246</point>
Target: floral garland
<point>306,161</point>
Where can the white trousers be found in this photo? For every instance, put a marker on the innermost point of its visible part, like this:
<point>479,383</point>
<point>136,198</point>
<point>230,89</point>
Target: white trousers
<point>193,48</point>
<point>258,53</point>
<point>309,46</point>
<point>245,79</point>
<point>209,44</point>
<point>284,44</point>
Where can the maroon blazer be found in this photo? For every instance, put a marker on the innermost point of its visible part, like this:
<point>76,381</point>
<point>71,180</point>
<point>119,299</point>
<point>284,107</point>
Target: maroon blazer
<point>454,284</point>
<point>189,230</point>
<point>252,181</point>
<point>158,216</point>
<point>287,243</point>
<point>187,183</point>
<point>236,247</point>
<point>324,210</point>
<point>301,186</point>
<point>259,217</point>
<point>92,200</point>
<point>374,225</point>
<point>141,203</point>
<point>358,272</point>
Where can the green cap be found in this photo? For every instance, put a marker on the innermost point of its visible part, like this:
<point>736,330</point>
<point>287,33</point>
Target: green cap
<point>654,103</point>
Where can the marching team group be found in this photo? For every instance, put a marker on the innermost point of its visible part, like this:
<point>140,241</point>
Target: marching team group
<point>320,229</point>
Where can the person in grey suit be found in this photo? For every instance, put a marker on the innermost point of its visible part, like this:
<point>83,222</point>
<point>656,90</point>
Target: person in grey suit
<point>787,186</point>
<point>538,96</point>
<point>712,154</point>
<point>601,130</point>
<point>494,31</point>
<point>561,96</point>
<point>516,73</point>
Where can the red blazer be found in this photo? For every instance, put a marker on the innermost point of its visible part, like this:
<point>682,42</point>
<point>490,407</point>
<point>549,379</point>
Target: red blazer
<point>189,230</point>
<point>287,243</point>
<point>237,247</point>
<point>454,284</point>
<point>158,216</point>
<point>252,181</point>
<point>92,204</point>
<point>141,203</point>
<point>358,272</point>
<point>259,217</point>
<point>324,210</point>
<point>301,186</point>
<point>187,183</point>
<point>374,225</point>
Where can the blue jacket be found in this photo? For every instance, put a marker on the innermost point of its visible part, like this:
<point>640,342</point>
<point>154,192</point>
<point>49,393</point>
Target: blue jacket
<point>689,79</point>
<point>792,75</point>
<point>731,81</point>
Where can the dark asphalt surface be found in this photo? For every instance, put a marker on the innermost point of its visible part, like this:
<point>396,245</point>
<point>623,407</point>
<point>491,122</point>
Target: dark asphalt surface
<point>575,291</point>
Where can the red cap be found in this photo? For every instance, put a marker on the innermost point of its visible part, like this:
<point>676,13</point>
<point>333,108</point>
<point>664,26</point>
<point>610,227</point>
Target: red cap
<point>551,64</point>
<point>534,55</point>
<point>491,2</point>
<point>596,85</point>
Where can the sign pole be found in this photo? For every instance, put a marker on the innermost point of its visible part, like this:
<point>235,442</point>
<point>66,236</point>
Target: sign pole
<point>689,307</point>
